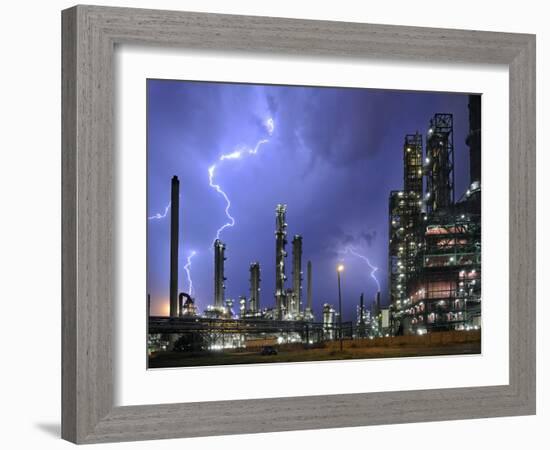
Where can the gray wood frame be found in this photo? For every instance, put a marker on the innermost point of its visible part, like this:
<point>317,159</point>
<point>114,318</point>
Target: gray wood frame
<point>89,36</point>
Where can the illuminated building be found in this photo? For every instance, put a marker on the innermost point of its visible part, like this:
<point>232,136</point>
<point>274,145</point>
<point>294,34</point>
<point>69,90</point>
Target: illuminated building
<point>435,250</point>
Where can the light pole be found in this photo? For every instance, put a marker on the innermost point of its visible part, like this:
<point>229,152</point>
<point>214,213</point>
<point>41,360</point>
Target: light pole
<point>340,269</point>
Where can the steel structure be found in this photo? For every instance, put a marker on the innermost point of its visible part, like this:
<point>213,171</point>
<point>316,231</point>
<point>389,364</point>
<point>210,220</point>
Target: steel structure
<point>280,255</point>
<point>216,333</point>
<point>219,274</point>
<point>405,217</point>
<point>435,245</point>
<point>439,163</point>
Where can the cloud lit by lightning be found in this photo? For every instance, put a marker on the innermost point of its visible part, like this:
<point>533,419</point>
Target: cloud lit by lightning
<point>159,216</point>
<point>187,268</point>
<point>270,125</point>
<point>373,269</point>
<point>236,154</point>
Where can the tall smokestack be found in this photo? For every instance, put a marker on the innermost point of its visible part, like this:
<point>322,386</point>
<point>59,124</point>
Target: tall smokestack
<point>280,255</point>
<point>309,305</point>
<point>219,277</point>
<point>255,287</point>
<point>474,137</point>
<point>297,274</point>
<point>362,309</point>
<point>174,238</point>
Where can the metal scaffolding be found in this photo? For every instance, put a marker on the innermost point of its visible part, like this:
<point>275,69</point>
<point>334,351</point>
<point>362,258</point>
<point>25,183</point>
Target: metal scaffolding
<point>435,242</point>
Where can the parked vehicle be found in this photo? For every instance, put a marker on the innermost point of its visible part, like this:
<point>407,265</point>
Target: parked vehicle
<point>268,350</point>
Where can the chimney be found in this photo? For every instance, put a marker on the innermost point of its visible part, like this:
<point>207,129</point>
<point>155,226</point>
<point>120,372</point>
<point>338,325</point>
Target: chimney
<point>297,274</point>
<point>174,238</point>
<point>309,306</point>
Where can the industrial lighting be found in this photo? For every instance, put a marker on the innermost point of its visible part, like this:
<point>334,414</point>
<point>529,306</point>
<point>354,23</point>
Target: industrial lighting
<point>430,131</point>
<point>427,160</point>
<point>340,268</point>
<point>408,149</point>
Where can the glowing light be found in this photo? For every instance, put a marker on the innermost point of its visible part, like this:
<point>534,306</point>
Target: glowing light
<point>374,269</point>
<point>159,216</point>
<point>270,125</point>
<point>236,154</point>
<point>187,269</point>
<point>340,268</point>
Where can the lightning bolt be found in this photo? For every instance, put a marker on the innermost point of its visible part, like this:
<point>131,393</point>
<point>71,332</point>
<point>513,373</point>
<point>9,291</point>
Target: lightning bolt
<point>159,216</point>
<point>269,124</point>
<point>187,269</point>
<point>219,190</point>
<point>374,269</point>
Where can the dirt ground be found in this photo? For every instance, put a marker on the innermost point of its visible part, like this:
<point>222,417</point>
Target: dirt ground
<point>175,359</point>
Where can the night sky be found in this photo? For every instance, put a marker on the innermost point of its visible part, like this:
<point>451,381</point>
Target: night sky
<point>332,156</point>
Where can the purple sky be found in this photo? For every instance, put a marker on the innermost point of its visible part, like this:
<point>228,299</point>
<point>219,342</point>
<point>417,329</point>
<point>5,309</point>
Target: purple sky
<point>333,157</point>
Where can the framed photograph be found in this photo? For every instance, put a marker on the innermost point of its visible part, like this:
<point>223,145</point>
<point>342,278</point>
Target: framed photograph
<point>277,224</point>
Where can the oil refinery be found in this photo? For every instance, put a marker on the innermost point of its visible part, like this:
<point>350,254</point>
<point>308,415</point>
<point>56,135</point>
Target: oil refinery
<point>434,271</point>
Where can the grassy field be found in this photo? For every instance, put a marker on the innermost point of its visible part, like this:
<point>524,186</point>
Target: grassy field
<point>175,359</point>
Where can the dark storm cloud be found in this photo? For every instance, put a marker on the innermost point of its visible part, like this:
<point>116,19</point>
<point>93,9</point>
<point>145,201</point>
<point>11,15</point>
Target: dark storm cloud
<point>368,237</point>
<point>272,104</point>
<point>343,239</point>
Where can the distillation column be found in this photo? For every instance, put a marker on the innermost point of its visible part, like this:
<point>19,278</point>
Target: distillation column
<point>296,302</point>
<point>280,255</point>
<point>219,277</point>
<point>255,287</point>
<point>440,163</point>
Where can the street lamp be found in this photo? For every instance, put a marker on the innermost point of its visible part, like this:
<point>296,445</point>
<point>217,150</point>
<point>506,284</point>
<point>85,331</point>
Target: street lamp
<point>340,269</point>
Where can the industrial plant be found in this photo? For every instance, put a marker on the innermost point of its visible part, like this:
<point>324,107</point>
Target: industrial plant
<point>434,260</point>
<point>288,320</point>
<point>434,272</point>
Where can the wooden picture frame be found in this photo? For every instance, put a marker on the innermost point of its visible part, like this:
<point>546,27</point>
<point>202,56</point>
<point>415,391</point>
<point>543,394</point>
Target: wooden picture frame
<point>90,34</point>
